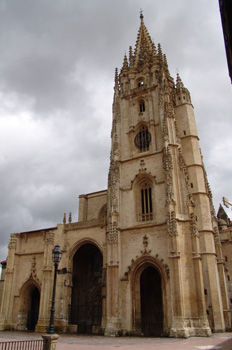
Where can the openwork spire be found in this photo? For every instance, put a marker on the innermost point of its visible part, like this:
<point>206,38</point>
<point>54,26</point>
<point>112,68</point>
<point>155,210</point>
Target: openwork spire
<point>144,48</point>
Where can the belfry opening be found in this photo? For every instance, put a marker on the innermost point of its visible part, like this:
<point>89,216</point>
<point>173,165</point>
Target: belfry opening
<point>86,304</point>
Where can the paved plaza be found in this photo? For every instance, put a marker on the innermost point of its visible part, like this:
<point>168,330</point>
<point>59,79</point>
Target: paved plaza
<point>87,342</point>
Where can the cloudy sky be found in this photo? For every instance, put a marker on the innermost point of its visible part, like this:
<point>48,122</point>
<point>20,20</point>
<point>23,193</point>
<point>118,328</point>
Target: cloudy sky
<point>57,68</point>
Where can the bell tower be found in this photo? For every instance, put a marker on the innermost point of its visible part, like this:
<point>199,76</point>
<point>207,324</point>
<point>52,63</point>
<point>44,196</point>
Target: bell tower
<point>161,223</point>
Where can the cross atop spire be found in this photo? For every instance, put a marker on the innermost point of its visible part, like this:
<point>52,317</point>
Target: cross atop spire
<point>141,14</point>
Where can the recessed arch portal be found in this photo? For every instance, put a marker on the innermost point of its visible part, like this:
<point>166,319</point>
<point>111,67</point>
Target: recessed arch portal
<point>86,299</point>
<point>29,305</point>
<point>149,315</point>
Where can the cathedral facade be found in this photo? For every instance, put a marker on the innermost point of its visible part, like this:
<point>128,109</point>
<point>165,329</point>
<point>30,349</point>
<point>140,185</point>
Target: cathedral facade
<point>145,257</point>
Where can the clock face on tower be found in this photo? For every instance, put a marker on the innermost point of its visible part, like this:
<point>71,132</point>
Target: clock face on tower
<point>143,139</point>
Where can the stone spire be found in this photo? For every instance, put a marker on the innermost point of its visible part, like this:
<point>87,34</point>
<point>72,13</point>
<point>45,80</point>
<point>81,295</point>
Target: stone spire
<point>144,48</point>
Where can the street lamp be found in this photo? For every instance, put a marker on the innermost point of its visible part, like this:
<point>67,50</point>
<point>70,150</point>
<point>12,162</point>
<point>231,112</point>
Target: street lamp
<point>56,257</point>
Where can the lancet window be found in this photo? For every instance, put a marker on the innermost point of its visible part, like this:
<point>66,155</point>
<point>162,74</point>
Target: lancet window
<point>144,205</point>
<point>141,106</point>
<point>146,202</point>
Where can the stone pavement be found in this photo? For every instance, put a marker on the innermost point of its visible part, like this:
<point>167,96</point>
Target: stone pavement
<point>87,342</point>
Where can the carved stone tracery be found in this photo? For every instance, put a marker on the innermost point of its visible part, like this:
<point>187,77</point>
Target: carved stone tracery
<point>171,224</point>
<point>49,238</point>
<point>193,225</point>
<point>183,167</point>
<point>13,241</point>
<point>33,271</point>
<point>168,166</point>
<point>113,233</point>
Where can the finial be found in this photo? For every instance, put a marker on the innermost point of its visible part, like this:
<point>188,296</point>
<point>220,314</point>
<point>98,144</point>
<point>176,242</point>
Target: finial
<point>64,219</point>
<point>131,58</point>
<point>116,77</point>
<point>70,218</point>
<point>125,62</point>
<point>141,14</point>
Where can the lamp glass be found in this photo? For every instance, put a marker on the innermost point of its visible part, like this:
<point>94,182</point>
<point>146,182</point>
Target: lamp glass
<point>56,254</point>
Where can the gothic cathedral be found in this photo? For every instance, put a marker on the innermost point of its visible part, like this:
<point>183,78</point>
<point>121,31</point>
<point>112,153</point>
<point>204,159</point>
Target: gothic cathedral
<point>145,257</point>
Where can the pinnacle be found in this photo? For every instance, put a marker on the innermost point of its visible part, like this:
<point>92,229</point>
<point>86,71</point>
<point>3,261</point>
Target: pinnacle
<point>125,62</point>
<point>179,84</point>
<point>116,76</point>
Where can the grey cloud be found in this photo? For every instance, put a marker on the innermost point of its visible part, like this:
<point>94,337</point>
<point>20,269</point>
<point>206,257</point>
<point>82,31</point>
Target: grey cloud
<point>56,89</point>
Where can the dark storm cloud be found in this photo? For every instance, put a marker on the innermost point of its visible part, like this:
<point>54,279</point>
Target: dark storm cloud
<point>56,89</point>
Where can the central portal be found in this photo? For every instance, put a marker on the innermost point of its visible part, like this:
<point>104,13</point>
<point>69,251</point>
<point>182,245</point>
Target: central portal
<point>151,303</point>
<point>86,307</point>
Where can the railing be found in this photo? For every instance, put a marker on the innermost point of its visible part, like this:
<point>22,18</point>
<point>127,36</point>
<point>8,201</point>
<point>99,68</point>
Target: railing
<point>145,217</point>
<point>22,345</point>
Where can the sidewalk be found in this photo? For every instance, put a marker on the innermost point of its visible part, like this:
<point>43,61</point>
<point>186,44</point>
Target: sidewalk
<point>87,342</point>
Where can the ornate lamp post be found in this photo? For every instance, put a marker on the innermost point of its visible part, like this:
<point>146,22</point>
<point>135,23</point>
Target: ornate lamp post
<point>56,257</point>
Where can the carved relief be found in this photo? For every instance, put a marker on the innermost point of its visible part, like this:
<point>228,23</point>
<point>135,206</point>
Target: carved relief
<point>49,238</point>
<point>145,241</point>
<point>165,130</point>
<point>209,193</point>
<point>183,167</point>
<point>13,241</point>
<point>171,224</point>
<point>177,132</point>
<point>216,236</point>
<point>113,233</point>
<point>143,255</point>
<point>167,165</point>
<point>142,167</point>
<point>113,180</point>
<point>193,225</point>
<point>173,235</point>
<point>33,270</point>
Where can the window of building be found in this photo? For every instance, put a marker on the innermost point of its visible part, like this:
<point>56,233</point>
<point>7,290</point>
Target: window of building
<point>146,202</point>
<point>143,139</point>
<point>142,106</point>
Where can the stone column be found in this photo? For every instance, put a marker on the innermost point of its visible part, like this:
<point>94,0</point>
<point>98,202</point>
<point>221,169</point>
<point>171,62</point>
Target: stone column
<point>178,329</point>
<point>203,329</point>
<point>112,283</point>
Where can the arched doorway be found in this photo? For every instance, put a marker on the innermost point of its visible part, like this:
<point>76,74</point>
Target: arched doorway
<point>151,302</point>
<point>86,303</point>
<point>33,311</point>
<point>29,301</point>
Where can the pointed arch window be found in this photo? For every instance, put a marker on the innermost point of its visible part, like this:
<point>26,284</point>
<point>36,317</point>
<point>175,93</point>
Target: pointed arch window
<point>146,202</point>
<point>143,139</point>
